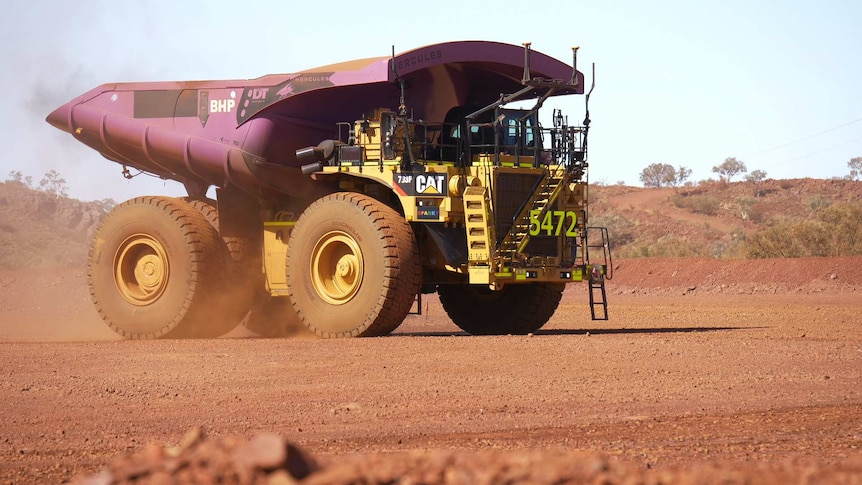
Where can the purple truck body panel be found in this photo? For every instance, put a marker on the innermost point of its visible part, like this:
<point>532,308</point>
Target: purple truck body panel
<point>244,133</point>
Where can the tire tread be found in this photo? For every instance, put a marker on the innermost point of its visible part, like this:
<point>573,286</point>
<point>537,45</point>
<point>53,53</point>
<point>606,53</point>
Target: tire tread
<point>195,317</point>
<point>402,272</point>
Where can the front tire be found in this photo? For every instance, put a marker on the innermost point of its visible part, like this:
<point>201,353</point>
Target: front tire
<point>516,309</point>
<point>353,267</point>
<point>155,269</point>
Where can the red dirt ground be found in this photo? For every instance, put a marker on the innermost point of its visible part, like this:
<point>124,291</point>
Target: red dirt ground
<point>742,371</point>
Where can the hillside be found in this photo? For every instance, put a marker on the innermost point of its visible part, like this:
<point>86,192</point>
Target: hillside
<point>714,220</point>
<point>41,230</point>
<point>776,218</point>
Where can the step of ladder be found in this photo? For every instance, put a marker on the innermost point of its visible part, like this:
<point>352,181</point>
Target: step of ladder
<point>598,298</point>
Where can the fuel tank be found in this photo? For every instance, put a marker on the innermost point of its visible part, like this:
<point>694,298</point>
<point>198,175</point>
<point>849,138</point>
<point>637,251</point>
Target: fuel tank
<point>244,133</point>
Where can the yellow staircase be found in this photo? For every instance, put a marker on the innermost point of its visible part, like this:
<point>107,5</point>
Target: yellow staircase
<point>517,239</point>
<point>480,234</point>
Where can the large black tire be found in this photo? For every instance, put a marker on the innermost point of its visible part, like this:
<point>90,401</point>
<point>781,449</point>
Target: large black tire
<point>244,253</point>
<point>156,270</point>
<point>353,267</point>
<point>516,309</point>
<point>245,296</point>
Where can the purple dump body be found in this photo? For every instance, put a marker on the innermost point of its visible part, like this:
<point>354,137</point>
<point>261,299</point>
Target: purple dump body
<point>244,133</point>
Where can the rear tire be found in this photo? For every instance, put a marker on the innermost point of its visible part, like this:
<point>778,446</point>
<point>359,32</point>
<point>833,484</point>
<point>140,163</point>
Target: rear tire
<point>156,268</point>
<point>516,309</point>
<point>353,267</point>
<point>244,293</point>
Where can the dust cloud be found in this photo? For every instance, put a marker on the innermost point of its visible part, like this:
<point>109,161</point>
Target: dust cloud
<point>54,305</point>
<point>48,305</point>
<point>54,52</point>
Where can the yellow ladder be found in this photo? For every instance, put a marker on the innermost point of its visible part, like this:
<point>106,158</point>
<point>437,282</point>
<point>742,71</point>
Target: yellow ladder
<point>480,234</point>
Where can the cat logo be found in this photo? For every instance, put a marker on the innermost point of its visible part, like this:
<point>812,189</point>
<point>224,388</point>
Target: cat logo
<point>431,184</point>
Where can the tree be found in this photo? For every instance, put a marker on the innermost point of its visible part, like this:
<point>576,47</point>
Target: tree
<point>658,175</point>
<point>53,183</point>
<point>104,205</point>
<point>756,176</point>
<point>682,175</point>
<point>17,177</point>
<point>855,165</point>
<point>729,169</point>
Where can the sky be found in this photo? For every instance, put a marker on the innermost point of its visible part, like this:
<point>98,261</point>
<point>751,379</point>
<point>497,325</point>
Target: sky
<point>778,85</point>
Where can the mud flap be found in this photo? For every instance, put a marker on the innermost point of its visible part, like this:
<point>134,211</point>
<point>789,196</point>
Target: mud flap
<point>452,242</point>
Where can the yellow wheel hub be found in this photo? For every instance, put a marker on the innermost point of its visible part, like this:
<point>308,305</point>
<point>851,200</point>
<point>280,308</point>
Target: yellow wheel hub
<point>141,269</point>
<point>336,267</point>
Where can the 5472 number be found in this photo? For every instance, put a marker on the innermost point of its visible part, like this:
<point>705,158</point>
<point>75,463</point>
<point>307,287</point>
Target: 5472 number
<point>553,222</point>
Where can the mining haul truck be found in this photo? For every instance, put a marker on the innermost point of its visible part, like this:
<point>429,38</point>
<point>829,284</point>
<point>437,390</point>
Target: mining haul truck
<point>344,193</point>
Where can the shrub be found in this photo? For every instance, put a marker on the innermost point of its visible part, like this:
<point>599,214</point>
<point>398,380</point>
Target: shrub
<point>702,204</point>
<point>621,230</point>
<point>844,225</point>
<point>832,231</point>
<point>817,202</point>
<point>665,247</point>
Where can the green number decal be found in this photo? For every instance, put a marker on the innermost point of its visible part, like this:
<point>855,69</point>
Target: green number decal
<point>571,231</point>
<point>534,222</point>
<point>561,217</point>
<point>547,223</point>
<point>552,223</point>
